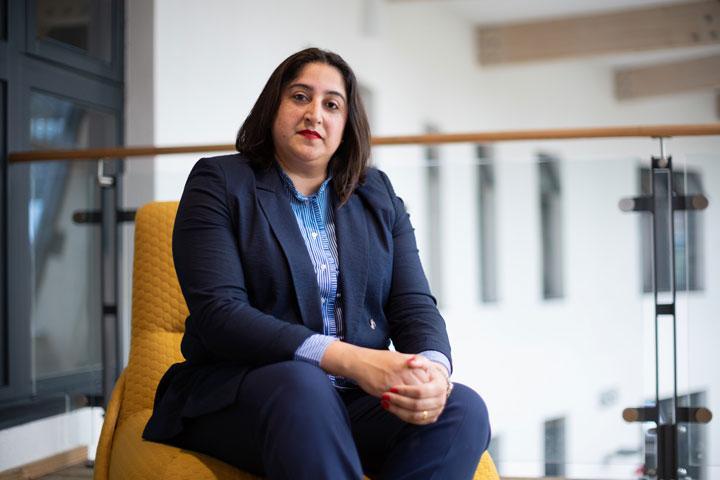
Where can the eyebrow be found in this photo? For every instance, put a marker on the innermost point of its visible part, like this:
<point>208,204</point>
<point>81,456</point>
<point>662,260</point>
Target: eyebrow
<point>309,88</point>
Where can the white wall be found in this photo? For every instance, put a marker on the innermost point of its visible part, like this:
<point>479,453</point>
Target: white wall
<point>43,438</point>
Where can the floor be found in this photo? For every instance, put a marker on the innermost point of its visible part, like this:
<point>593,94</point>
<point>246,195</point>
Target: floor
<point>77,472</point>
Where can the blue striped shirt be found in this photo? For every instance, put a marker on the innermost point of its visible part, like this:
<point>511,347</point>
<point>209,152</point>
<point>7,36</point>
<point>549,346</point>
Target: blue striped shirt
<point>316,220</point>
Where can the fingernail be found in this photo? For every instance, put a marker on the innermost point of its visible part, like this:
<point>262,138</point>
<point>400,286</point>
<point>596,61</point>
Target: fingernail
<point>410,360</point>
<point>385,404</point>
<point>386,397</point>
<point>394,390</point>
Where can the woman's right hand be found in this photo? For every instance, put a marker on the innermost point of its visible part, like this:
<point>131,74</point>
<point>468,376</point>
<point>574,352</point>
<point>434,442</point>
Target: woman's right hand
<point>375,371</point>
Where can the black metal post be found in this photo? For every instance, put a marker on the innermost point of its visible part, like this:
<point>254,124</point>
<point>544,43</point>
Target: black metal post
<point>110,253</point>
<point>661,178</point>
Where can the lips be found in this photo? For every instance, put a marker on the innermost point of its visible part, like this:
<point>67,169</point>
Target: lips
<point>311,134</point>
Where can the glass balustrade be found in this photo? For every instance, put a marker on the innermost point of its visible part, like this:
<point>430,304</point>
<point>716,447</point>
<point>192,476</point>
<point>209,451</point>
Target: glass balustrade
<point>546,286</point>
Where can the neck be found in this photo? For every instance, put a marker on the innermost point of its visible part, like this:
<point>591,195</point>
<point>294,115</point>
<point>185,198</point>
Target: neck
<point>306,181</point>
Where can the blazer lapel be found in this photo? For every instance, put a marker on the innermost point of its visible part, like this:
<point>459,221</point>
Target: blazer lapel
<point>279,214</point>
<point>352,238</point>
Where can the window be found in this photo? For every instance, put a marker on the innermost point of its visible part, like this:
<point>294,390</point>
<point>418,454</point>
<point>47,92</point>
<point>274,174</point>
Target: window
<point>432,161</point>
<point>368,99</point>
<point>81,34</point>
<point>551,226</point>
<point>82,24</point>
<point>486,221</point>
<point>62,251</point>
<point>554,445</point>
<point>689,251</point>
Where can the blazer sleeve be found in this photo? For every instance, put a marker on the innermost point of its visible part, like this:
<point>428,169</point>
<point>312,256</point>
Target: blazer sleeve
<point>415,322</point>
<point>222,323</point>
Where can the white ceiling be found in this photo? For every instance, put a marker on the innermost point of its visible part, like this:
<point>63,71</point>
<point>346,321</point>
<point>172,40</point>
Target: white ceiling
<point>501,11</point>
<point>483,12</point>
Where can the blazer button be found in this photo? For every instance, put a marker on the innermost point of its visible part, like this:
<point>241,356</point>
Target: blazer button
<point>372,324</point>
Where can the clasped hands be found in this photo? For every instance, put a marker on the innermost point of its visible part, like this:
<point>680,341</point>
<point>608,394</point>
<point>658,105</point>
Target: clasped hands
<point>411,387</point>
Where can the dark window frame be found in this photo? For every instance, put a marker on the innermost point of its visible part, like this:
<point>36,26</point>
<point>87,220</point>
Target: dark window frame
<point>90,83</point>
<point>3,20</point>
<point>70,56</point>
<point>4,380</point>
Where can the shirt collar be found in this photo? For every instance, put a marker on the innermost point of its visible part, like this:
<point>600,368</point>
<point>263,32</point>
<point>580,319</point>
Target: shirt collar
<point>291,187</point>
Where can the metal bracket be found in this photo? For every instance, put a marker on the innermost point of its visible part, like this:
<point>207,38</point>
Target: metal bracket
<point>684,414</point>
<point>95,216</point>
<point>694,415</point>
<point>640,414</point>
<point>645,203</point>
<point>103,180</point>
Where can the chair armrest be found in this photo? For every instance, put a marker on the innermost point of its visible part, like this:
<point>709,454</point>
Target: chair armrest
<point>104,447</point>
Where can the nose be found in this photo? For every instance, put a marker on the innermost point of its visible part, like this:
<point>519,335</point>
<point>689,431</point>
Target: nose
<point>313,112</point>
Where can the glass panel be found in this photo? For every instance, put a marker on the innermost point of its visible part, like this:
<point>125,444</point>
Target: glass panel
<point>83,24</point>
<point>66,311</point>
<point>698,301</point>
<point>557,372</point>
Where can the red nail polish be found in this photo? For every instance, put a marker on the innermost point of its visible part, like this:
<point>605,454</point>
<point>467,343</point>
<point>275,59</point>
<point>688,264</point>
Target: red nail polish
<point>385,404</point>
<point>386,397</point>
<point>394,390</point>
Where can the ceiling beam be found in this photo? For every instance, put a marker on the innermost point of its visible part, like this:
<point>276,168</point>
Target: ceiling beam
<point>666,26</point>
<point>665,78</point>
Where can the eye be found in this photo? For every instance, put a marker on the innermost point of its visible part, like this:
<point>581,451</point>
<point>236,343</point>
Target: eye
<point>299,96</point>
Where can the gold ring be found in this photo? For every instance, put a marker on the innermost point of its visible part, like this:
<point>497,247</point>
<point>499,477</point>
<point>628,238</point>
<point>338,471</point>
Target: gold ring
<point>424,415</point>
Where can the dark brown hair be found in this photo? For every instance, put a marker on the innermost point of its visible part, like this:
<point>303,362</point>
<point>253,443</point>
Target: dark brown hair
<point>348,164</point>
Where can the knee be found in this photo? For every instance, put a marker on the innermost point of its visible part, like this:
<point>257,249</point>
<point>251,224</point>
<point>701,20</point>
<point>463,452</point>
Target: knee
<point>295,387</point>
<point>470,410</point>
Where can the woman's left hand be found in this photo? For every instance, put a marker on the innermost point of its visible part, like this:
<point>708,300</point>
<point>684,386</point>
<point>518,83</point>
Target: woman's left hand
<point>419,404</point>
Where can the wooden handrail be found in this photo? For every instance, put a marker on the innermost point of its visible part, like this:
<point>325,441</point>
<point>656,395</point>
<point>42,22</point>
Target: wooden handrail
<point>709,129</point>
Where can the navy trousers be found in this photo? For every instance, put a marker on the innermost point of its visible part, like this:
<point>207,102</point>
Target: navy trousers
<point>290,422</point>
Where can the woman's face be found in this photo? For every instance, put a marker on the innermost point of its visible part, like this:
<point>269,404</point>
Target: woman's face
<point>311,118</point>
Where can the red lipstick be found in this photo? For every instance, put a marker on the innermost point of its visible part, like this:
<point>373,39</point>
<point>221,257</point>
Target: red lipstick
<point>310,134</point>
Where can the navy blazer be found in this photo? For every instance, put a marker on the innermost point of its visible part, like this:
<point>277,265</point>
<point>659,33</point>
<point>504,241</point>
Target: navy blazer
<point>252,293</point>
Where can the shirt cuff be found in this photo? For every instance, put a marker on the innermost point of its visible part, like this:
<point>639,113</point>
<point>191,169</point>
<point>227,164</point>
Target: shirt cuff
<point>313,348</point>
<point>435,356</point>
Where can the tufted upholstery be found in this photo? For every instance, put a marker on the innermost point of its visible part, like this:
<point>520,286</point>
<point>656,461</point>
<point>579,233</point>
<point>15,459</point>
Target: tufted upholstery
<point>158,319</point>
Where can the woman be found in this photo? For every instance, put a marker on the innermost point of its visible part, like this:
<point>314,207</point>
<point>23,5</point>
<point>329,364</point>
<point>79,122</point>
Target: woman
<point>299,265</point>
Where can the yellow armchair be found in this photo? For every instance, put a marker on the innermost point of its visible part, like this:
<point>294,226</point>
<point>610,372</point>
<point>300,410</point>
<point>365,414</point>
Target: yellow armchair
<point>158,320</point>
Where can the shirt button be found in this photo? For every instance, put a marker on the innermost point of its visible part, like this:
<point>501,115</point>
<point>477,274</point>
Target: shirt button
<point>314,234</point>
<point>338,295</point>
<point>322,300</point>
<point>372,324</point>
<point>323,266</point>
